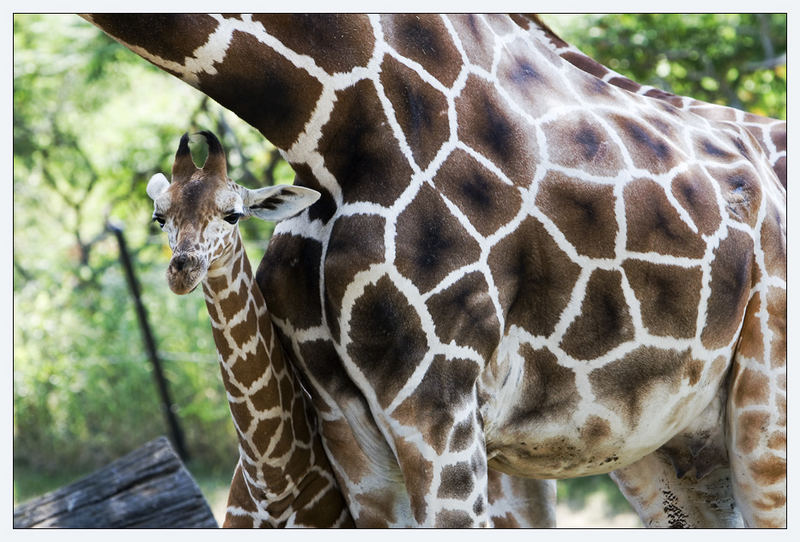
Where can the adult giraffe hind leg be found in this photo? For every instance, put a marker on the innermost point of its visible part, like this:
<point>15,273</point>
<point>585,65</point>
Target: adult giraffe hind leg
<point>756,425</point>
<point>662,499</point>
<point>686,482</point>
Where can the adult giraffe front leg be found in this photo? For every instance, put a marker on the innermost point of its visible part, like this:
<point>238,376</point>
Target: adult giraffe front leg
<point>447,489</point>
<point>422,395</point>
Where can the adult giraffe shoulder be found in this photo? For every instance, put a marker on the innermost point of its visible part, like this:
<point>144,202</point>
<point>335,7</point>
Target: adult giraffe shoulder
<point>514,265</point>
<point>283,477</point>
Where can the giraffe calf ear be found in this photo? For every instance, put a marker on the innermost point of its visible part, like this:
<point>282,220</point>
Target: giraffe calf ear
<point>279,202</point>
<point>156,185</point>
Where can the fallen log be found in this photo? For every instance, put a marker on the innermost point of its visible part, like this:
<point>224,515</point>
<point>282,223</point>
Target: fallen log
<point>148,488</point>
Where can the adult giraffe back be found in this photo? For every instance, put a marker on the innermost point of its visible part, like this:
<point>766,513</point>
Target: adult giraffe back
<point>513,265</point>
<point>769,133</point>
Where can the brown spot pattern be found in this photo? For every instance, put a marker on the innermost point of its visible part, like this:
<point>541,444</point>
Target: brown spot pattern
<point>424,39</point>
<point>648,149</point>
<point>594,430</point>
<point>654,225</point>
<point>363,153</point>
<point>471,29</point>
<point>464,313</point>
<point>625,83</point>
<point>694,370</point>
<point>265,397</point>
<point>288,94</point>
<point>777,441</point>
<point>582,211</point>
<point>377,509</point>
<point>288,276</point>
<point>577,141</point>
<point>604,321</point>
<point>321,510</point>
<point>420,109</point>
<point>339,439</point>
<point>751,342</point>
<point>507,521</point>
<point>530,85</point>
<point>741,189</point>
<point>446,385</point>
<point>534,278</point>
<point>418,475</point>
<point>730,285</point>
<point>387,341</point>
<point>776,308</point>
<point>179,34</point>
<point>456,482</point>
<point>624,385</point>
<point>336,42</point>
<point>487,125</point>
<point>499,23</point>
<point>241,415</point>
<point>770,500</point>
<point>750,388</point>
<point>695,193</point>
<point>430,244</point>
<point>355,243</point>
<point>750,428</point>
<point>487,201</point>
<point>323,364</point>
<point>668,295</point>
<point>547,391</point>
<point>768,469</point>
<point>586,64</point>
<point>461,436</point>
<point>773,241</point>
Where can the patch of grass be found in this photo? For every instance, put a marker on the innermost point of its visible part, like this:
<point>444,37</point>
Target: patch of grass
<point>30,482</point>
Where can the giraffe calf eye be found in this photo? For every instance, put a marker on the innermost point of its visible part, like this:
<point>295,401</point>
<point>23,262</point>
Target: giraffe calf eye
<point>232,218</point>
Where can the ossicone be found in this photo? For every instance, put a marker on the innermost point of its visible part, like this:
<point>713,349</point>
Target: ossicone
<point>184,167</point>
<point>215,162</point>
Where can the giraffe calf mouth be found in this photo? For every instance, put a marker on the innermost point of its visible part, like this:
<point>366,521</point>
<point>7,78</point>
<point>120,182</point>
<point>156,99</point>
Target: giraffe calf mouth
<point>184,273</point>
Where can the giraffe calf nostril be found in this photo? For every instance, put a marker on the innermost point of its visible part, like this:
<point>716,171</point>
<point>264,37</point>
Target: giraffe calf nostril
<point>179,261</point>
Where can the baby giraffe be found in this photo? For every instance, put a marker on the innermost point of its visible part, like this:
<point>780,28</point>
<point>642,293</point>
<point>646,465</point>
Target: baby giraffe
<point>283,477</point>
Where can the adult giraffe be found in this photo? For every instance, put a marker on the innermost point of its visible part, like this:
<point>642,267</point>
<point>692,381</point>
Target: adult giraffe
<point>513,264</point>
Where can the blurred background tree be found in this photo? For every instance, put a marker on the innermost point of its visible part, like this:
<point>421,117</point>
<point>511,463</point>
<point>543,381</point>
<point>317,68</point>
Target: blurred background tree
<point>93,122</point>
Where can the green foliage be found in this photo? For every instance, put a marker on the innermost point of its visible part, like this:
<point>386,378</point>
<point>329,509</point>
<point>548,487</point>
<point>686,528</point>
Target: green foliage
<point>575,492</point>
<point>734,59</point>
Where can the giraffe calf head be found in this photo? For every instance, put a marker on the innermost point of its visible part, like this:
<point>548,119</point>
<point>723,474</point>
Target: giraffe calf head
<point>199,210</point>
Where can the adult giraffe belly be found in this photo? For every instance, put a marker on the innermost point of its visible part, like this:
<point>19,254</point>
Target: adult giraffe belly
<point>547,417</point>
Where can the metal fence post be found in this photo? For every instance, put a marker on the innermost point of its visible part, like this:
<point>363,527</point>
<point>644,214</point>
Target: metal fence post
<point>176,433</point>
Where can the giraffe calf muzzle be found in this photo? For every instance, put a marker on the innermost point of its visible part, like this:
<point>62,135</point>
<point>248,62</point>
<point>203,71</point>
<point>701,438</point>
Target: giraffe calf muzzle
<point>185,271</point>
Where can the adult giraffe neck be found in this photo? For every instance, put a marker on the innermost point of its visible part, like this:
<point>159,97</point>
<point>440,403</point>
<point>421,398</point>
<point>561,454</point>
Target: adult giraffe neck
<point>268,69</point>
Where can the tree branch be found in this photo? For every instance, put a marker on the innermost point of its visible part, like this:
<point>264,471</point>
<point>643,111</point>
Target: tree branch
<point>766,64</point>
